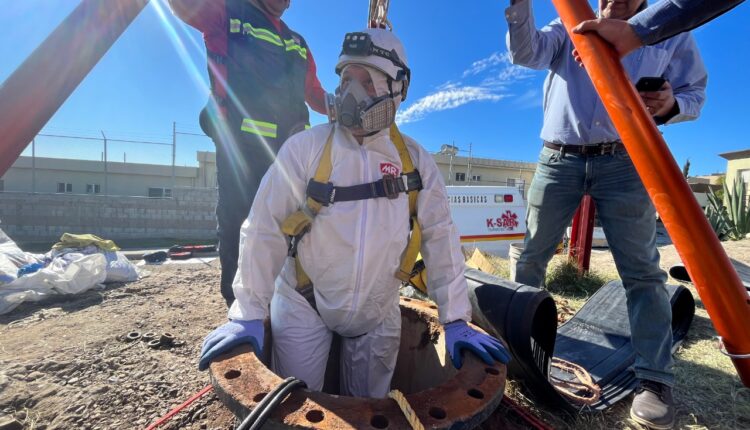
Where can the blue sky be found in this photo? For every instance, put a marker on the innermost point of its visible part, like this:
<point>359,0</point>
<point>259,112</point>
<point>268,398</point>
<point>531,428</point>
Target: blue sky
<point>462,92</point>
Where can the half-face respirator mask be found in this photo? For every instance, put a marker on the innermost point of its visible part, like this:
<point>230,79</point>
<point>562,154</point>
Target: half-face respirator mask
<point>356,109</point>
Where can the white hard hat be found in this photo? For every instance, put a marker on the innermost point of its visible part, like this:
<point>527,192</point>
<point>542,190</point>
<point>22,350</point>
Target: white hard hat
<point>377,48</point>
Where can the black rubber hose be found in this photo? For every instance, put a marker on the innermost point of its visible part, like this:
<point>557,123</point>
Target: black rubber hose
<point>263,409</point>
<point>253,415</point>
<point>276,401</point>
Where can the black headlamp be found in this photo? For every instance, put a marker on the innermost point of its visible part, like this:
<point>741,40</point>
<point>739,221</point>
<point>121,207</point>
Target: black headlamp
<point>361,45</point>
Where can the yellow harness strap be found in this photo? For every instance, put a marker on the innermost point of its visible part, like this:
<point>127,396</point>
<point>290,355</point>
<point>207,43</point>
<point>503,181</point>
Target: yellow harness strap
<point>409,257</point>
<point>300,221</point>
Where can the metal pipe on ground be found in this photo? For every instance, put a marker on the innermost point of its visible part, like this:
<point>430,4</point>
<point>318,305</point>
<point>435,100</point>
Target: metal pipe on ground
<point>42,83</point>
<point>717,282</point>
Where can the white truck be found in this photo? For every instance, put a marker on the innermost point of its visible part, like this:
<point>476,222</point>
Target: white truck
<point>488,217</point>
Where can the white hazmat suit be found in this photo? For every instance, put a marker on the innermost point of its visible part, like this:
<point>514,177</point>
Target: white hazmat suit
<point>351,254</point>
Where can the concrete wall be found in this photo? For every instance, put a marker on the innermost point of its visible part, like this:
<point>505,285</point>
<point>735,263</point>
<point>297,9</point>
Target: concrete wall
<point>190,214</point>
<point>735,169</point>
<point>122,179</point>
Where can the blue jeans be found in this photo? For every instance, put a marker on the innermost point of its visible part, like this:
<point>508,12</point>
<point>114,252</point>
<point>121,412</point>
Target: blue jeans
<point>628,218</point>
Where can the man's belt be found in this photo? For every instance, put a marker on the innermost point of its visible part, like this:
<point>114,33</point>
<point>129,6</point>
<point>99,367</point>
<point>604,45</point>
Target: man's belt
<point>596,149</point>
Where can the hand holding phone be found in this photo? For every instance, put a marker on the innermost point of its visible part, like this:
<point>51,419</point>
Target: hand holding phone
<point>648,84</point>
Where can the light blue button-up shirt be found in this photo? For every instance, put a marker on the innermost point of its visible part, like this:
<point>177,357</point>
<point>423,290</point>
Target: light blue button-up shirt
<point>573,112</point>
<point>669,17</point>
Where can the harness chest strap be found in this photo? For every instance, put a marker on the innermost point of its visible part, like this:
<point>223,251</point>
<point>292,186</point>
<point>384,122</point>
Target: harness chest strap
<point>299,223</point>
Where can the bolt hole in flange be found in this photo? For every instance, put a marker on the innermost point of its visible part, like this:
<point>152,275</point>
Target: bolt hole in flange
<point>475,393</point>
<point>232,374</point>
<point>379,421</point>
<point>258,397</point>
<point>315,416</point>
<point>437,413</point>
<point>407,299</point>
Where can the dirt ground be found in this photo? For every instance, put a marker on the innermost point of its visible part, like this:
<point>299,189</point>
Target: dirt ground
<point>64,363</point>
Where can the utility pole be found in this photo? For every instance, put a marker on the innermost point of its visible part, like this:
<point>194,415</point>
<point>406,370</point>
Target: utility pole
<point>33,166</point>
<point>106,180</point>
<point>450,164</point>
<point>468,165</point>
<point>174,153</point>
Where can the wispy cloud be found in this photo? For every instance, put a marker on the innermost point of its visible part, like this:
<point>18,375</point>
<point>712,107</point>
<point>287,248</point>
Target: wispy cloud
<point>493,60</point>
<point>488,79</point>
<point>445,99</point>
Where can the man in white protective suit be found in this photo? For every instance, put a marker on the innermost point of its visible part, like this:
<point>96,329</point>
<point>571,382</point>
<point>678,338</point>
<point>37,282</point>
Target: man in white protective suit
<point>323,244</point>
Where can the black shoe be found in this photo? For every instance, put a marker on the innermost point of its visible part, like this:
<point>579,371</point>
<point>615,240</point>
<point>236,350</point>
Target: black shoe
<point>653,405</point>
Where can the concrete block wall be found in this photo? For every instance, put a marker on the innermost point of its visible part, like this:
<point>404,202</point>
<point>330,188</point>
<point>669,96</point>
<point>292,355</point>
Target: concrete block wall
<point>189,214</point>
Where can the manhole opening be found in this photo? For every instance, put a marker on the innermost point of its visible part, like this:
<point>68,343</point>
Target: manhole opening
<point>258,397</point>
<point>433,307</point>
<point>379,421</point>
<point>437,413</point>
<point>475,393</point>
<point>232,374</point>
<point>492,371</point>
<point>315,416</point>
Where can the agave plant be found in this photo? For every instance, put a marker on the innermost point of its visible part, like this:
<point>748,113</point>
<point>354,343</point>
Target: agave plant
<point>729,218</point>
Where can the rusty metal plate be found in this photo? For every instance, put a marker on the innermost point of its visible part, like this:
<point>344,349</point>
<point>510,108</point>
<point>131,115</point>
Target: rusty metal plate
<point>441,396</point>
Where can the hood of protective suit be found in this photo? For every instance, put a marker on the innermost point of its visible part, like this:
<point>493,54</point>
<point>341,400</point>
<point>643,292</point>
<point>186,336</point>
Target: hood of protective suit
<point>353,248</point>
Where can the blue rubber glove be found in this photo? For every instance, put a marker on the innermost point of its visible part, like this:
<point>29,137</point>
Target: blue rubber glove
<point>459,336</point>
<point>229,335</point>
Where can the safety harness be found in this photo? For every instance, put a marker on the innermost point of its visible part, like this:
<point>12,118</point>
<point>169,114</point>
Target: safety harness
<point>321,192</point>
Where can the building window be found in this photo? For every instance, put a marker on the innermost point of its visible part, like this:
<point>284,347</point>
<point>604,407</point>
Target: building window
<point>460,177</point>
<point>476,178</point>
<point>160,192</point>
<point>93,189</point>
<point>64,187</point>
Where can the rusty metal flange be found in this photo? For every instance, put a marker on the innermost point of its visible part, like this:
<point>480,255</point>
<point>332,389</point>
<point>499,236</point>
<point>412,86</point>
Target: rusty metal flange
<point>441,396</point>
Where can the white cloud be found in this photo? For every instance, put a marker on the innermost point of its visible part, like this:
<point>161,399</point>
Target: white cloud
<point>497,58</point>
<point>445,99</point>
<point>495,75</point>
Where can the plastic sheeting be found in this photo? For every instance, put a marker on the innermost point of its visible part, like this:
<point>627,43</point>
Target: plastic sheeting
<point>69,271</point>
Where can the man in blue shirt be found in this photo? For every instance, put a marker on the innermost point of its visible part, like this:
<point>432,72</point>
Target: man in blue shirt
<point>658,22</point>
<point>582,154</point>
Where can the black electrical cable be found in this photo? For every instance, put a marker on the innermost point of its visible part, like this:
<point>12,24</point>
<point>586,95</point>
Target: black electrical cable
<point>265,407</point>
<point>253,416</point>
<point>276,401</point>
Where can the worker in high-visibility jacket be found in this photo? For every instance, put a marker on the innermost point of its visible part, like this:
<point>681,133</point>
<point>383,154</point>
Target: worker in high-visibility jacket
<point>261,74</point>
<point>352,246</point>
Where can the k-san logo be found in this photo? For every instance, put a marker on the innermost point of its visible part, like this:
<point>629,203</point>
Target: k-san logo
<point>507,221</point>
<point>389,169</point>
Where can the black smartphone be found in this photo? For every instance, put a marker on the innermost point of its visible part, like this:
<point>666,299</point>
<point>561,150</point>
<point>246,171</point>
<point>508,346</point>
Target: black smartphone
<point>649,84</point>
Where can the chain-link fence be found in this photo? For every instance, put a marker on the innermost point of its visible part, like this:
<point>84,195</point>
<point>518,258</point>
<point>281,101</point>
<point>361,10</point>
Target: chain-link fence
<point>113,163</point>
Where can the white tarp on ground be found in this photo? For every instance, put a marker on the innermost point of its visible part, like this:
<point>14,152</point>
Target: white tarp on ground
<point>70,271</point>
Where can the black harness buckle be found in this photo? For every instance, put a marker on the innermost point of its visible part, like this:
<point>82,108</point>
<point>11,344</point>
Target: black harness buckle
<point>391,186</point>
<point>323,193</point>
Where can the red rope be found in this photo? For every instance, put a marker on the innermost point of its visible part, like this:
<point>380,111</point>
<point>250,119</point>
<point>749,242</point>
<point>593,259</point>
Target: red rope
<point>526,415</point>
<point>174,411</point>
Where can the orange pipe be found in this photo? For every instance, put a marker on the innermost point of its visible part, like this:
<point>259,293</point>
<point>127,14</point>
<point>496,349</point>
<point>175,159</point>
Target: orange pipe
<point>582,234</point>
<point>42,83</point>
<point>718,285</point>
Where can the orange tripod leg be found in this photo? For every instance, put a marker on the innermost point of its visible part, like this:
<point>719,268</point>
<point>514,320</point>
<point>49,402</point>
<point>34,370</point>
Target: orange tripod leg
<point>39,86</point>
